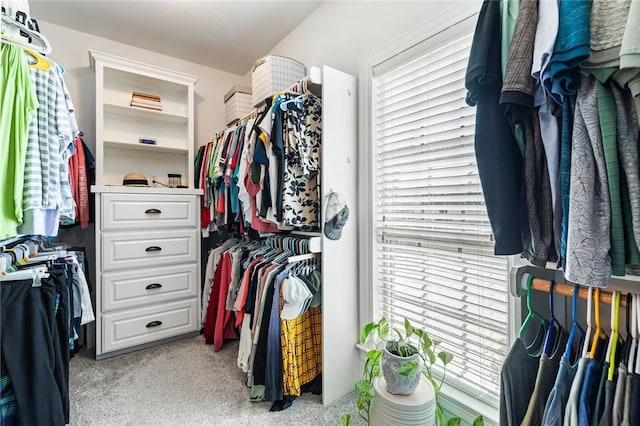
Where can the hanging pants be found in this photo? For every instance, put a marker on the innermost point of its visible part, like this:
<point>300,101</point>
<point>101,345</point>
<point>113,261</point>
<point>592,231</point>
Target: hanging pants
<point>57,296</point>
<point>27,350</point>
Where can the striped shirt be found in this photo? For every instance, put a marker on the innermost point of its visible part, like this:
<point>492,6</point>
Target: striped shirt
<point>42,171</point>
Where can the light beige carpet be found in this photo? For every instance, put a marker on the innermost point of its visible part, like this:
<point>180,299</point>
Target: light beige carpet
<point>182,383</point>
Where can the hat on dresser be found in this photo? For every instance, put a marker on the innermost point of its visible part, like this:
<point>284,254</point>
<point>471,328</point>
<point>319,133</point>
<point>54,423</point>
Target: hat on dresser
<point>336,214</point>
<point>296,297</point>
<point>135,179</point>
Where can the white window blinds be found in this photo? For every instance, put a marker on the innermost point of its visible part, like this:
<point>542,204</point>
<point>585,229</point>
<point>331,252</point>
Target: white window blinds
<point>433,254</point>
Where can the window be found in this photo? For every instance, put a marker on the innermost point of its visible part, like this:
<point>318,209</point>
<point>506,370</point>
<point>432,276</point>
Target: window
<point>432,255</point>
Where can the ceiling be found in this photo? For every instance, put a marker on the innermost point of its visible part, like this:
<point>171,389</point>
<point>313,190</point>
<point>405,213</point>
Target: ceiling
<point>227,35</point>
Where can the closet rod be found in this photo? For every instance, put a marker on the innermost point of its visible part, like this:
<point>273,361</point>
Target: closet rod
<point>567,290</point>
<point>626,284</point>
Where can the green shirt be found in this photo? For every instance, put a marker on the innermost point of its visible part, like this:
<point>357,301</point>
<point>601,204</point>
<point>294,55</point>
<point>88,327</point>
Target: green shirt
<point>18,103</point>
<point>509,14</point>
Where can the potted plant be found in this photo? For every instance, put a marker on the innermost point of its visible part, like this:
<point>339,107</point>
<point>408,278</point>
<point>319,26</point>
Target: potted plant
<point>400,364</point>
<point>415,355</point>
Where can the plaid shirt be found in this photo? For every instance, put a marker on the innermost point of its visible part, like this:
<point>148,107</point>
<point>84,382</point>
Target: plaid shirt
<point>301,340</point>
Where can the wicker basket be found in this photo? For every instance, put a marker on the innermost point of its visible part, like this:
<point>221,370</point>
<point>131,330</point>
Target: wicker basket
<point>273,74</point>
<point>237,103</point>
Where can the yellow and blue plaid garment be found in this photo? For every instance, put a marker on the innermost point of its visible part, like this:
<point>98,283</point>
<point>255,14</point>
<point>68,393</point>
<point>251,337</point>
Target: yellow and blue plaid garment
<point>301,340</point>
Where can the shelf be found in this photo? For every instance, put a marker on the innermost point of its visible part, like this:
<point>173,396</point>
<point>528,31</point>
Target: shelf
<point>146,114</point>
<point>144,190</point>
<point>144,147</point>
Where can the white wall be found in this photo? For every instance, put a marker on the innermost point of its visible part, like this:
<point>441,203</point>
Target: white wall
<point>341,34</point>
<point>70,49</point>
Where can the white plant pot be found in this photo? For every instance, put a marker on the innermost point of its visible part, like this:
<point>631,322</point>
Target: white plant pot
<point>398,384</point>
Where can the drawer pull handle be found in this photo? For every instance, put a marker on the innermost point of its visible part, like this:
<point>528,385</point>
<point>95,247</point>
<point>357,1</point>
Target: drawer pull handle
<point>152,286</point>
<point>153,248</point>
<point>154,324</point>
<point>153,211</point>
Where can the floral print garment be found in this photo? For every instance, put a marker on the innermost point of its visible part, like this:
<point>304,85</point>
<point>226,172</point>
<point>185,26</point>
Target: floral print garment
<point>302,141</point>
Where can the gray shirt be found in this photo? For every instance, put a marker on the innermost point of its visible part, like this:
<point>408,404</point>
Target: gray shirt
<point>618,399</point>
<point>517,381</point>
<point>589,239</point>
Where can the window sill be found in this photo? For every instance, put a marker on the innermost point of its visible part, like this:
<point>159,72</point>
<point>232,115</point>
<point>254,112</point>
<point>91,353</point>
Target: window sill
<point>456,403</point>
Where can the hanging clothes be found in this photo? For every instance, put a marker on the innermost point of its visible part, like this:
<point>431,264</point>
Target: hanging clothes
<point>494,140</point>
<point>263,173</point>
<point>39,305</point>
<point>19,104</point>
<point>281,354</point>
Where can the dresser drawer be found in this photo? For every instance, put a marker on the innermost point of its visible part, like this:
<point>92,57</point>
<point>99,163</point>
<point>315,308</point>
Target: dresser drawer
<point>141,249</point>
<point>142,325</point>
<point>146,286</point>
<point>128,211</point>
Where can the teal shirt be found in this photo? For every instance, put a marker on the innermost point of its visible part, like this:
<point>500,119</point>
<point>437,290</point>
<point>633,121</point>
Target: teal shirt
<point>509,10</point>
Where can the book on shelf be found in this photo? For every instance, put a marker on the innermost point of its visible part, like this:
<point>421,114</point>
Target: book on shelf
<point>146,106</point>
<point>147,96</point>
<point>144,102</point>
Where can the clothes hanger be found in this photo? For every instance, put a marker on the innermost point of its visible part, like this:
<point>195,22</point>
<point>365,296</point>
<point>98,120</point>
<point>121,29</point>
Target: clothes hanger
<point>11,33</point>
<point>636,359</point>
<point>585,344</point>
<point>627,343</point>
<point>615,335</point>
<point>531,314</point>
<point>297,101</point>
<point>634,330</point>
<point>282,257</point>
<point>611,341</point>
<point>599,331</point>
<point>575,326</point>
<point>41,63</point>
<point>34,274</point>
<point>554,327</point>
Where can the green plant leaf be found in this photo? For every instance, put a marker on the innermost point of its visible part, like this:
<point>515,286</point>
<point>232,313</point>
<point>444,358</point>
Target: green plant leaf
<point>441,420</point>
<point>364,402</point>
<point>375,371</point>
<point>345,419</point>
<point>366,331</point>
<point>426,341</point>
<point>435,384</point>
<point>445,357</point>
<point>383,328</point>
<point>454,421</point>
<point>408,368</point>
<point>479,421</point>
<point>374,355</point>
<point>408,328</point>
<point>363,386</point>
<point>436,342</point>
<point>431,355</point>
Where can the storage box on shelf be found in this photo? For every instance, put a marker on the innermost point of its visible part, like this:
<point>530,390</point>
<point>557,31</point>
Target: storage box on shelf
<point>237,103</point>
<point>273,74</point>
<point>147,241</point>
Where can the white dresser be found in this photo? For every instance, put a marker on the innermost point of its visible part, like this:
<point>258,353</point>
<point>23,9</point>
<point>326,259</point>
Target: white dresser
<point>148,263</point>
